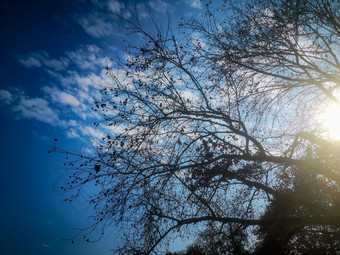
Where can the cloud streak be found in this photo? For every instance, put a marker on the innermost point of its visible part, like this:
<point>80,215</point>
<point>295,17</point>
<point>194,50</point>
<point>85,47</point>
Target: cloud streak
<point>88,57</point>
<point>40,59</point>
<point>6,97</point>
<point>194,3</point>
<point>96,25</point>
<point>36,108</point>
<point>102,21</point>
<point>67,100</point>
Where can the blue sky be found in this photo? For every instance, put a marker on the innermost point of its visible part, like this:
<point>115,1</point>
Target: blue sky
<point>53,55</point>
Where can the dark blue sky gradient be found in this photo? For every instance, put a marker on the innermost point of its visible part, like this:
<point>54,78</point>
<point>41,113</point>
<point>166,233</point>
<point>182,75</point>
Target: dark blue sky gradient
<point>51,54</point>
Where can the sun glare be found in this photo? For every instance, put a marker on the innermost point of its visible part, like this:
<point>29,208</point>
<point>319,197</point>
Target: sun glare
<point>332,117</point>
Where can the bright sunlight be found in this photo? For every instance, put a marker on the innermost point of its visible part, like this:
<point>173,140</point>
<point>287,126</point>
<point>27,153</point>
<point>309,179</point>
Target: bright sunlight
<point>332,118</point>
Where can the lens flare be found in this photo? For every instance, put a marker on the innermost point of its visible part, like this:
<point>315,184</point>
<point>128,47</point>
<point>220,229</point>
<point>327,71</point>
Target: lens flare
<point>332,118</point>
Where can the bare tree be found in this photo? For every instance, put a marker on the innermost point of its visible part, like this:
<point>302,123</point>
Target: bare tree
<point>217,122</point>
<point>215,240</point>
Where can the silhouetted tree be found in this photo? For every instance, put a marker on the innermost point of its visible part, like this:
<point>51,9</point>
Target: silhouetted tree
<point>219,121</point>
<point>213,240</point>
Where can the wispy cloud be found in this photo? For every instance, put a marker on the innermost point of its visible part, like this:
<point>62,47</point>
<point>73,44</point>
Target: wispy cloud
<point>67,100</point>
<point>76,101</point>
<point>142,11</point>
<point>83,130</point>
<point>96,25</point>
<point>115,6</point>
<point>61,97</point>
<point>89,57</point>
<point>102,21</point>
<point>194,3</point>
<point>92,132</point>
<point>159,6</point>
<point>36,108</point>
<point>30,62</point>
<point>45,245</point>
<point>39,59</point>
<point>6,97</point>
<point>72,133</point>
<point>58,108</point>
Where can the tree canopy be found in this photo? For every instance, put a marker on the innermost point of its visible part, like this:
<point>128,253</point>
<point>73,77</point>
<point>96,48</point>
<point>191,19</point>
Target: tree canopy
<point>220,122</point>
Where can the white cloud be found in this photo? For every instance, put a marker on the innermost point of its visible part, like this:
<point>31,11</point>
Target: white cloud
<point>67,103</point>
<point>85,130</point>
<point>68,99</point>
<point>96,25</point>
<point>72,101</point>
<point>84,88</point>
<point>155,6</point>
<point>59,65</point>
<point>91,132</point>
<point>30,62</point>
<point>6,97</point>
<point>85,82</point>
<point>39,59</point>
<point>115,6</point>
<point>88,57</point>
<point>61,97</point>
<point>101,21</point>
<point>73,123</point>
<point>37,108</point>
<point>72,80</point>
<point>72,133</point>
<point>142,11</point>
<point>56,103</point>
<point>194,3</point>
<point>98,3</point>
<point>118,8</point>
<point>159,6</point>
